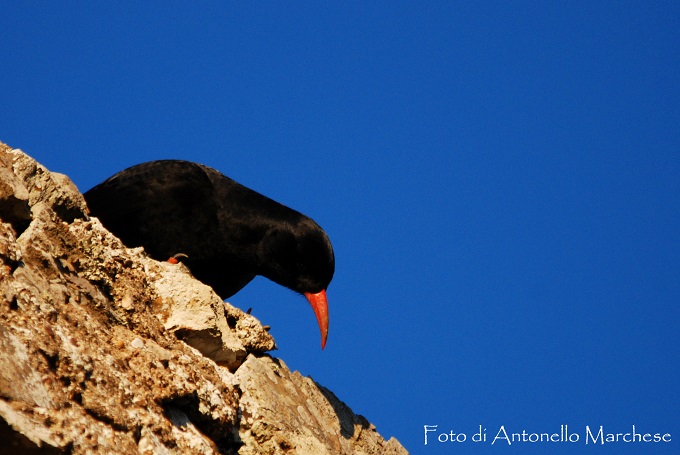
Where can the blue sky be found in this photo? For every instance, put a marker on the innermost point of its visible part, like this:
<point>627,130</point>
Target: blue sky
<point>500,181</point>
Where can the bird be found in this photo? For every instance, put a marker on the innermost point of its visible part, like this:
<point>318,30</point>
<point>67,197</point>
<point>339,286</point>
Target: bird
<point>224,232</point>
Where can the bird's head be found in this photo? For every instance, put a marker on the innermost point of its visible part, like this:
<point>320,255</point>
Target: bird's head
<point>300,257</point>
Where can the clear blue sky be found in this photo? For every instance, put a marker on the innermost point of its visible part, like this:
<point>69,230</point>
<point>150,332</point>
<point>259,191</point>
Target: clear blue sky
<point>500,181</point>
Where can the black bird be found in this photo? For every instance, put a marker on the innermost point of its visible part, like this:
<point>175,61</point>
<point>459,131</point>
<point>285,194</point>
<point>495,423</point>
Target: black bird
<point>226,233</point>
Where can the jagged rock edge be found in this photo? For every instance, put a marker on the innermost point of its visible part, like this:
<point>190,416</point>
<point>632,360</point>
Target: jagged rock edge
<point>127,315</point>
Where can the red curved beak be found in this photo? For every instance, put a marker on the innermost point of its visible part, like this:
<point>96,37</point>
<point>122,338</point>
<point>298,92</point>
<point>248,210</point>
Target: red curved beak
<point>320,306</point>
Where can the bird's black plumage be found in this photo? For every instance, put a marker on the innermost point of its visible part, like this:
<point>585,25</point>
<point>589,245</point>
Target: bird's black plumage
<point>229,233</point>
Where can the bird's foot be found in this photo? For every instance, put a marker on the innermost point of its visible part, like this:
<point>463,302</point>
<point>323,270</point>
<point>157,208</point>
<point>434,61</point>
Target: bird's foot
<point>177,258</point>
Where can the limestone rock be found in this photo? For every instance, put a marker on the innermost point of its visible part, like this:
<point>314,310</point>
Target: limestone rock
<point>198,316</point>
<point>105,350</point>
<point>284,411</point>
<point>14,206</point>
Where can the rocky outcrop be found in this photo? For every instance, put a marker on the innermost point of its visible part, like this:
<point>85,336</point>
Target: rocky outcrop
<point>107,351</point>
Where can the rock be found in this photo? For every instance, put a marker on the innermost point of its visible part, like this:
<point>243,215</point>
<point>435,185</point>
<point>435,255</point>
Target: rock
<point>108,351</point>
<point>198,316</point>
<point>14,206</point>
<point>56,190</point>
<point>284,411</point>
